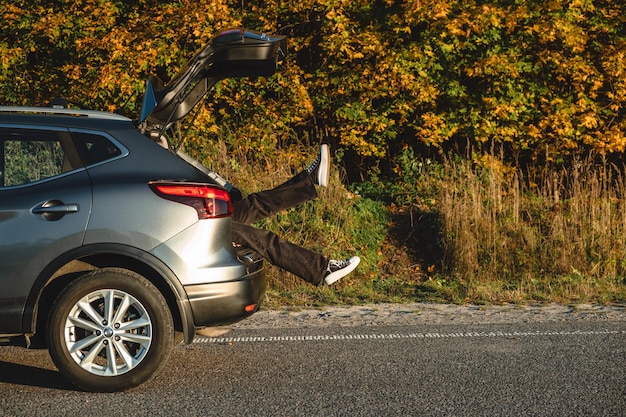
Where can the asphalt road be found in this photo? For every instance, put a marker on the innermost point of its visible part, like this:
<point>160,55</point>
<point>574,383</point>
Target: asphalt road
<point>535,368</point>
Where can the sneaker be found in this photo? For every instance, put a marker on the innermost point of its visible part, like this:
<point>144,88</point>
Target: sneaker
<point>339,269</point>
<point>319,170</point>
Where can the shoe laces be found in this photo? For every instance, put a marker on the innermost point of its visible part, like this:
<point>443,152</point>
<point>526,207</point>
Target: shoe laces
<point>314,164</point>
<point>334,265</point>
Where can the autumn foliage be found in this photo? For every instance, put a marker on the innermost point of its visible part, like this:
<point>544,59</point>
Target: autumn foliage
<point>538,79</point>
<point>400,88</point>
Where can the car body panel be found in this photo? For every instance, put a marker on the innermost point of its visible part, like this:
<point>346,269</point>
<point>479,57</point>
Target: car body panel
<point>221,303</point>
<point>113,194</point>
<point>118,215</point>
<point>195,264</point>
<point>29,241</point>
<point>100,252</point>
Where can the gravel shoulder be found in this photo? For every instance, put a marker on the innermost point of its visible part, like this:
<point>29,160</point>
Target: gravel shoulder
<point>426,313</point>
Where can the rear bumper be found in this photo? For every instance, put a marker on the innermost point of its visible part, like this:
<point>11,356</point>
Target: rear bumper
<point>230,301</point>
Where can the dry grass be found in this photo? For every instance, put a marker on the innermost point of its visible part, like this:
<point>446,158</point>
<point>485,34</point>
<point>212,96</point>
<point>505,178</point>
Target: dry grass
<point>488,235</point>
<point>338,224</point>
<point>559,236</point>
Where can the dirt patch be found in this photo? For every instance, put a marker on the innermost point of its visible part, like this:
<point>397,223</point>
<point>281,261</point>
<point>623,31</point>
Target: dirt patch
<point>426,313</point>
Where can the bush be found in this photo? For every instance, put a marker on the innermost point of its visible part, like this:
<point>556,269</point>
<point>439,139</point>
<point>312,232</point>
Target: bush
<point>539,78</point>
<point>389,84</point>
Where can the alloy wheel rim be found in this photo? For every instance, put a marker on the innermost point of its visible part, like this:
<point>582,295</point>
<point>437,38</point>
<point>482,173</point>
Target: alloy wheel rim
<point>108,332</point>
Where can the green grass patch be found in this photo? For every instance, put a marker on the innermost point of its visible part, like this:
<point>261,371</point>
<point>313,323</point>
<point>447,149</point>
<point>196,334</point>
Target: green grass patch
<point>460,231</point>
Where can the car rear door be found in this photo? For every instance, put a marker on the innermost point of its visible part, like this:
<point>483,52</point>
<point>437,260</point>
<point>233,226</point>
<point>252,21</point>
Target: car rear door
<point>231,53</point>
<point>45,202</point>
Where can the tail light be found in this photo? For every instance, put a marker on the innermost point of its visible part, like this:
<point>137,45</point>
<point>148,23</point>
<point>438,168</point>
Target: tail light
<point>210,202</point>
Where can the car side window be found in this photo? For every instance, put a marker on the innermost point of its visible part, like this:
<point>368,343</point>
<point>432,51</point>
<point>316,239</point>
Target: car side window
<point>95,148</point>
<point>28,156</point>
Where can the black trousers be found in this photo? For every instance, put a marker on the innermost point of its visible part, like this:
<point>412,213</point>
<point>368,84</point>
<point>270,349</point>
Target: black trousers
<point>304,263</point>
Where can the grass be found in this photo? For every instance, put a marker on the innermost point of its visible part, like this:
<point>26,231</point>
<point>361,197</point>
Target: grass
<point>463,232</point>
<point>556,236</point>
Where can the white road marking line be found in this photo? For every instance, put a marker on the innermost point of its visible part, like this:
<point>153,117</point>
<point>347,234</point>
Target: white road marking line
<point>305,338</point>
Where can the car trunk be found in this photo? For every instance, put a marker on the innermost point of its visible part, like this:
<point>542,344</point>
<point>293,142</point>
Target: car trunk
<point>231,53</point>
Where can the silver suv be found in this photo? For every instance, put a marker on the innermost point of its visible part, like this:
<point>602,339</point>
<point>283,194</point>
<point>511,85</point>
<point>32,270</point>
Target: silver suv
<point>112,247</point>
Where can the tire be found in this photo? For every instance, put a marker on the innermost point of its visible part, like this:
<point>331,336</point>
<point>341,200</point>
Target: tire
<point>110,330</point>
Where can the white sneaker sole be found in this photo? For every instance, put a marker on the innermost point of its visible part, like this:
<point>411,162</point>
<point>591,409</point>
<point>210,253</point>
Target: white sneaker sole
<point>323,171</point>
<point>337,275</point>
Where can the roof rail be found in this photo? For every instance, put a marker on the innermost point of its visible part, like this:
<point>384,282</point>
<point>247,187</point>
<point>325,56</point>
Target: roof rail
<point>65,112</point>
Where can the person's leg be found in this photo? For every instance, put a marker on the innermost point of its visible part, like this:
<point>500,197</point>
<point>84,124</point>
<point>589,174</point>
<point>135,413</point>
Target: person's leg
<point>308,265</point>
<point>304,263</point>
<point>297,190</point>
<point>263,204</point>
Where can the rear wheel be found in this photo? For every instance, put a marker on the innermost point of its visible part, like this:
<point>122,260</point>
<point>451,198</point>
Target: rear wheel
<point>110,330</point>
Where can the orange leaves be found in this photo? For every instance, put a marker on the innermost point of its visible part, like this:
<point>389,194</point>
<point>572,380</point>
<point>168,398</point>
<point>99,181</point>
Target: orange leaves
<point>614,139</point>
<point>11,13</point>
<point>104,49</point>
<point>375,75</point>
<point>416,11</point>
<point>434,130</point>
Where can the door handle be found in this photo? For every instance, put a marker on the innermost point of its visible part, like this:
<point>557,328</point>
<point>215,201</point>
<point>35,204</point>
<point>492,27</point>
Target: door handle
<point>55,209</point>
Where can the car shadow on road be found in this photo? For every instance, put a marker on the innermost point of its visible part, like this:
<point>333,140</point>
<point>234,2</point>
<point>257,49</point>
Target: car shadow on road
<point>18,374</point>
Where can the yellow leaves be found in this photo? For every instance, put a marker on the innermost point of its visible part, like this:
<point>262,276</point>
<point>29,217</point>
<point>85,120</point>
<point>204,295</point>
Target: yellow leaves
<point>350,52</point>
<point>589,120</point>
<point>497,167</point>
<point>72,71</point>
<point>457,28</point>
<point>530,136</point>
<point>615,139</point>
<point>430,11</point>
<point>51,25</point>
<point>504,110</point>
<point>434,129</point>
<point>501,64</point>
<point>583,5</point>
<point>573,36</point>
<point>356,139</point>
<point>609,140</point>
<point>614,62</point>
<point>11,13</point>
<point>439,9</point>
<point>493,14</point>
<point>525,73</point>
<point>212,128</point>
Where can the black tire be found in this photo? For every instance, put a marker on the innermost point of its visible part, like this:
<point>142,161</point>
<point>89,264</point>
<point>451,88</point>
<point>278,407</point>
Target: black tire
<point>97,355</point>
